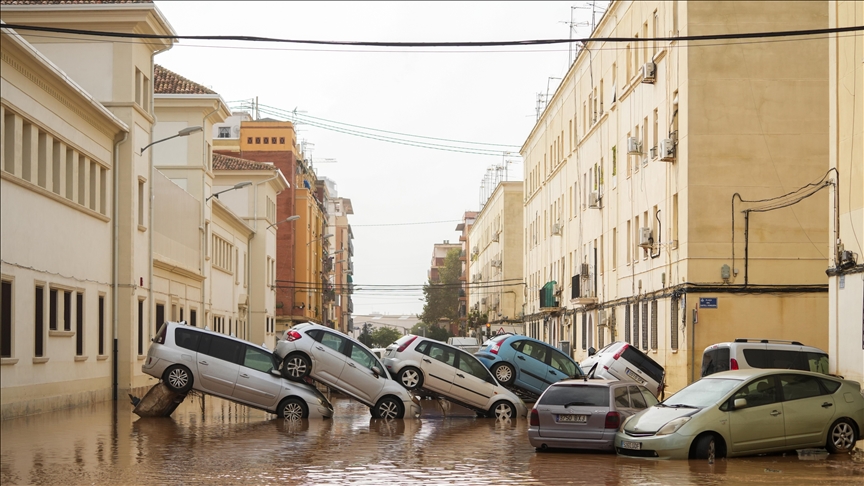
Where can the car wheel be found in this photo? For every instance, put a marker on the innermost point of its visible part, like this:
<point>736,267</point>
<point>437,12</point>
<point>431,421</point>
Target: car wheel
<point>178,379</point>
<point>841,437</point>
<point>411,378</point>
<point>296,367</point>
<point>388,408</point>
<point>503,410</point>
<point>504,373</point>
<point>292,408</point>
<point>705,447</point>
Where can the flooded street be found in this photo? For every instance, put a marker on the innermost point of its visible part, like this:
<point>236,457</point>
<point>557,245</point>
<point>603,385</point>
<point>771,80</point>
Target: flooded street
<point>231,444</point>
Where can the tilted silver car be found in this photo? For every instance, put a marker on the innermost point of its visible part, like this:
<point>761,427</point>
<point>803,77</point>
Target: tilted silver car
<point>189,358</point>
<point>585,414</point>
<point>343,363</point>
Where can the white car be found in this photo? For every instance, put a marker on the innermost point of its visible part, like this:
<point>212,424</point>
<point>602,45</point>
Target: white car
<point>189,358</point>
<point>763,353</point>
<point>623,361</point>
<point>449,372</point>
<point>340,362</point>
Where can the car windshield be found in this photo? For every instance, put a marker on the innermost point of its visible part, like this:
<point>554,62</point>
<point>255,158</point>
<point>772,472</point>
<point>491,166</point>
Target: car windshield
<point>701,394</point>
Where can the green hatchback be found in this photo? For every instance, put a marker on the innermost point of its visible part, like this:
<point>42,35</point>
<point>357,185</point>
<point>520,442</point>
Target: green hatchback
<point>745,412</point>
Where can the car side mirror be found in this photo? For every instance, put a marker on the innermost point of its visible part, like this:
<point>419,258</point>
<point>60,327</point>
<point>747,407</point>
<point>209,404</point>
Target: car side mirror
<point>740,403</point>
<point>377,371</point>
<point>592,351</point>
<point>275,372</point>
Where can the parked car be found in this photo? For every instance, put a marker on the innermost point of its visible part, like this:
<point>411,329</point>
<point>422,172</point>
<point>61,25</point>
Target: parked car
<point>585,414</point>
<point>467,344</point>
<point>345,364</point>
<point>526,363</point>
<point>621,361</point>
<point>763,353</point>
<point>744,412</point>
<point>446,371</point>
<point>189,358</point>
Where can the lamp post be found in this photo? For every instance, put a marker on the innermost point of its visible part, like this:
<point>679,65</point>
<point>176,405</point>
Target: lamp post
<point>182,133</point>
<point>289,218</point>
<point>239,185</point>
<point>322,237</point>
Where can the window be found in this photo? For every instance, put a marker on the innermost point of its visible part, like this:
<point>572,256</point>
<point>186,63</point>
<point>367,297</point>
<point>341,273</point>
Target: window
<point>636,324</point>
<point>193,317</point>
<point>332,341</point>
<point>472,366</point>
<point>655,132</point>
<point>273,140</point>
<point>282,140</point>
<point>67,310</point>
<point>627,323</point>
<point>223,252</point>
<point>266,140</point>
<point>654,324</point>
<point>39,348</point>
<point>52,310</point>
<point>614,248</point>
<point>140,328</point>
<point>757,393</point>
<point>562,363</point>
<point>257,140</point>
<point>584,332</point>
<point>645,325</point>
<point>141,200</point>
<point>249,140</point>
<point>673,325</point>
<point>101,312</point>
<point>79,324</point>
<point>224,349</point>
<point>636,397</point>
<point>160,314</point>
<point>6,319</point>
<point>362,357</point>
<point>442,354</point>
<point>187,339</point>
<point>224,132</point>
<point>583,395</point>
<point>258,359</point>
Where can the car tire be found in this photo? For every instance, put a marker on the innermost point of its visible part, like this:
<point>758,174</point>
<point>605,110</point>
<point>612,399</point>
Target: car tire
<point>296,366</point>
<point>841,437</point>
<point>292,408</point>
<point>178,379</point>
<point>705,447</point>
<point>503,410</point>
<point>411,378</point>
<point>504,373</point>
<point>388,408</point>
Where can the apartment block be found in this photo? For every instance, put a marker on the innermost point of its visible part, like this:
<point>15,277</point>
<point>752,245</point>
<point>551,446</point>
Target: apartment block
<point>675,191</point>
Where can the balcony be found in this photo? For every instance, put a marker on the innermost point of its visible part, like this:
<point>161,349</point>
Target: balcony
<point>463,238</point>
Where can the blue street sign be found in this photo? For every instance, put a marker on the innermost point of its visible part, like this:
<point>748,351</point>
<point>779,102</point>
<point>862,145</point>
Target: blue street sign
<point>707,302</point>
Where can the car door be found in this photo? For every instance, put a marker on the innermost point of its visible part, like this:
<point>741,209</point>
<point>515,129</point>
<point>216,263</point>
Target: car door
<point>531,365</point>
<point>560,367</point>
<point>218,364</point>
<point>329,358</point>
<point>357,377</point>
<point>438,368</point>
<point>807,410</point>
<point>255,385</point>
<point>758,425</point>
<point>472,383</point>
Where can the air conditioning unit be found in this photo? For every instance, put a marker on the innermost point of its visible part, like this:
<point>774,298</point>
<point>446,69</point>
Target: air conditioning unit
<point>646,239</point>
<point>495,236</point>
<point>556,229</point>
<point>667,150</point>
<point>594,200</point>
<point>649,72</point>
<point>633,146</point>
<point>584,270</point>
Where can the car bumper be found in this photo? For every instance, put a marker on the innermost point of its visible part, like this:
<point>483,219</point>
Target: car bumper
<point>672,446</point>
<point>412,410</point>
<point>320,412</point>
<point>605,444</point>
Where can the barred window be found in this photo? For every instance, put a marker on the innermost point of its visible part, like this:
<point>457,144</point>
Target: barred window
<point>636,324</point>
<point>645,325</point>
<point>653,324</point>
<point>223,254</point>
<point>673,329</point>
<point>627,323</point>
<point>584,331</point>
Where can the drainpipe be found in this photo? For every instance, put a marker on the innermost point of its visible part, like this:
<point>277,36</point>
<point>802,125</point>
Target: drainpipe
<point>250,311</point>
<point>115,261</point>
<point>205,159</point>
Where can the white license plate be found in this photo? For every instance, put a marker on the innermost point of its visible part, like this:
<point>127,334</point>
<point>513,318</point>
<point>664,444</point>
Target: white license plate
<point>626,444</point>
<point>579,419</point>
<point>635,376</point>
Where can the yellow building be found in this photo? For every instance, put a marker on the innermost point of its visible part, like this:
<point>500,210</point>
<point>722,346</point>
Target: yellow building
<point>846,208</point>
<point>666,185</point>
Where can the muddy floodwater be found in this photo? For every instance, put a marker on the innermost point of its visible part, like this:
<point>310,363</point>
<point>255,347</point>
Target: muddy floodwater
<point>224,443</point>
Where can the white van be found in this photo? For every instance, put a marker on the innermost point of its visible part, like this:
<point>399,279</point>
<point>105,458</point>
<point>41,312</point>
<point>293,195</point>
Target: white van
<point>622,361</point>
<point>763,353</point>
<point>468,344</point>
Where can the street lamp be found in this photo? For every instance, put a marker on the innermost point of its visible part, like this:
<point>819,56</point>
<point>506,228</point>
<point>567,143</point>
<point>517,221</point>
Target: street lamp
<point>239,185</point>
<point>328,235</point>
<point>182,133</point>
<point>289,218</point>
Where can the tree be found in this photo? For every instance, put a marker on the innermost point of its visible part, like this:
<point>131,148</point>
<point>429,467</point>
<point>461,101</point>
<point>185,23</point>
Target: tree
<point>384,336</point>
<point>442,297</point>
<point>365,336</point>
<point>434,331</point>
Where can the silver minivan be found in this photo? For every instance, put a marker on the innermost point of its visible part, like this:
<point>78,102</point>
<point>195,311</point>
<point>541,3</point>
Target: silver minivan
<point>763,353</point>
<point>189,358</point>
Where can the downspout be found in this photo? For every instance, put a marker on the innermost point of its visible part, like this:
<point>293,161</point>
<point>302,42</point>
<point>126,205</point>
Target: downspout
<point>251,311</point>
<point>205,159</point>
<point>115,264</point>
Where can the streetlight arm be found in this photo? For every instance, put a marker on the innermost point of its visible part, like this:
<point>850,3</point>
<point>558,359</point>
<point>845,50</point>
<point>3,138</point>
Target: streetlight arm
<point>182,133</point>
<point>239,185</point>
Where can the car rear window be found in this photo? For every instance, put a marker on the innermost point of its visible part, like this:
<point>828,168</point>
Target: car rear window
<point>715,361</point>
<point>786,359</point>
<point>187,339</point>
<point>644,363</point>
<point>576,395</point>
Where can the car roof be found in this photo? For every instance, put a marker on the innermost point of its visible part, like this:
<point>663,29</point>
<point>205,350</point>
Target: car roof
<point>312,325</point>
<point>186,325</point>
<point>592,381</point>
<point>750,373</point>
<point>768,342</point>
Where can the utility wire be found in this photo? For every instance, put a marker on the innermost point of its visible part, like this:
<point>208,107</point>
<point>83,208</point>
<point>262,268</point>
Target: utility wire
<point>746,35</point>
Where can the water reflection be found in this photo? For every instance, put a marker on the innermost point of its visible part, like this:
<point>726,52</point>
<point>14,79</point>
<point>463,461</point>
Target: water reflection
<point>224,443</point>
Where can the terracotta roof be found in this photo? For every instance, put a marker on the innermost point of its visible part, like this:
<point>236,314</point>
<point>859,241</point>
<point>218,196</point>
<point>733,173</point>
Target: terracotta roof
<point>68,2</point>
<point>224,162</point>
<point>169,82</point>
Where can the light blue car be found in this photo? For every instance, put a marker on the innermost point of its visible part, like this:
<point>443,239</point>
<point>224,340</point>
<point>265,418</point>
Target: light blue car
<point>525,363</point>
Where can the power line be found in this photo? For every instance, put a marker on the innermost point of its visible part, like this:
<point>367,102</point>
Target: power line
<point>407,224</point>
<point>746,35</point>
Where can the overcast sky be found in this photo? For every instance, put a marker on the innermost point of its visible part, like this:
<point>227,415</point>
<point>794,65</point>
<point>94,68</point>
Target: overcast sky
<point>486,95</point>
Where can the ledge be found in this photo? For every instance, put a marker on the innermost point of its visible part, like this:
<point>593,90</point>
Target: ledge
<point>142,228</point>
<point>61,333</point>
<point>8,361</point>
<point>142,357</point>
<point>79,359</point>
<point>40,360</point>
<point>101,357</point>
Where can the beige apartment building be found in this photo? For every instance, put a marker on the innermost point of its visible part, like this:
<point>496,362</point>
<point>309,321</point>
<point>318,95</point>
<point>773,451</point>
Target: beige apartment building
<point>496,259</point>
<point>339,263</point>
<point>468,321</point>
<point>675,191</point>
<point>846,206</point>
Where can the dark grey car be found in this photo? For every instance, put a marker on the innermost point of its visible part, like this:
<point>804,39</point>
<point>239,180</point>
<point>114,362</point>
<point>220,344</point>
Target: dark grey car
<point>585,414</point>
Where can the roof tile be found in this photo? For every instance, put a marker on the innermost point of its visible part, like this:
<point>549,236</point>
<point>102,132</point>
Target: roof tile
<point>225,162</point>
<point>169,82</point>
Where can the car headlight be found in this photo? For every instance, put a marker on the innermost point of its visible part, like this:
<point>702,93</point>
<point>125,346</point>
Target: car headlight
<point>623,423</point>
<point>672,426</point>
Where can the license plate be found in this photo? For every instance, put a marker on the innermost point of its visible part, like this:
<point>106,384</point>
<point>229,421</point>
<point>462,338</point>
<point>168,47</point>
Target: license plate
<point>632,374</point>
<point>579,419</point>
<point>626,444</point>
